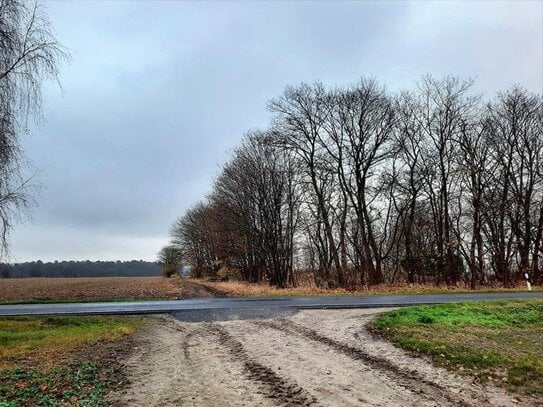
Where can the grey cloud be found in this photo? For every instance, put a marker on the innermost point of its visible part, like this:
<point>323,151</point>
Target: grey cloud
<point>159,92</point>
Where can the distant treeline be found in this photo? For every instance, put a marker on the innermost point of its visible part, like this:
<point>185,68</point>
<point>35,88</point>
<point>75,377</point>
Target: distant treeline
<point>133,268</point>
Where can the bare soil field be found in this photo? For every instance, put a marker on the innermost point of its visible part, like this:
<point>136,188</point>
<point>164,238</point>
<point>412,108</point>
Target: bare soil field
<point>100,288</point>
<point>313,358</point>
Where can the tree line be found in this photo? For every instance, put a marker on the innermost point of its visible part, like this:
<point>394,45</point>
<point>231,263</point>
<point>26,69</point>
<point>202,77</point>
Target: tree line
<point>132,268</point>
<point>360,186</point>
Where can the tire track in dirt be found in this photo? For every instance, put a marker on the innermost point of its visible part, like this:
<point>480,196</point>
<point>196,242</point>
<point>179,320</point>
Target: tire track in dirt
<point>410,379</point>
<point>274,386</point>
<point>161,373</point>
<point>186,344</point>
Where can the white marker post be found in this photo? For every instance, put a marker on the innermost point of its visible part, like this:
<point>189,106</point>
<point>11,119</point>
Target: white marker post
<point>527,277</point>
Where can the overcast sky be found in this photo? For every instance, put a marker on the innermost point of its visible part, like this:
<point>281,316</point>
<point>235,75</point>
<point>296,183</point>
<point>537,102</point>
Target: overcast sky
<point>158,93</point>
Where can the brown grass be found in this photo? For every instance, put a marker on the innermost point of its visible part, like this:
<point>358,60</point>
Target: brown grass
<point>244,289</point>
<point>98,288</point>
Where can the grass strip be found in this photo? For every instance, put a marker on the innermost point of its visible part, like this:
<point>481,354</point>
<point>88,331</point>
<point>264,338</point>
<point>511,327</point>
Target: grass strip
<point>498,341</point>
<point>50,361</point>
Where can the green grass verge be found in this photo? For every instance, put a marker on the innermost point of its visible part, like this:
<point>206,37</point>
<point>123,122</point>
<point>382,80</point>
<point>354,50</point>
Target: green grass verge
<point>50,361</point>
<point>498,341</point>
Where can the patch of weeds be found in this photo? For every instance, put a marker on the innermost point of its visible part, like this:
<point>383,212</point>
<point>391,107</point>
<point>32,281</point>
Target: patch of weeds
<point>86,372</point>
<point>527,375</point>
<point>425,319</point>
<point>79,384</point>
<point>6,403</point>
<point>46,400</point>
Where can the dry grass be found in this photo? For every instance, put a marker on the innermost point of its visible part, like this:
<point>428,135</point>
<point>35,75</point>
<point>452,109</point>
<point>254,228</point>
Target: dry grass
<point>97,288</point>
<point>244,289</point>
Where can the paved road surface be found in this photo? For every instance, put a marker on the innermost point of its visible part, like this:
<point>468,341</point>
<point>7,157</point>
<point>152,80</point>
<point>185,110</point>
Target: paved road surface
<point>233,308</point>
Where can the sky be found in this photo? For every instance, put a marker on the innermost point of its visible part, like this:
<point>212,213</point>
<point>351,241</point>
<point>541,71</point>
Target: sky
<point>157,94</point>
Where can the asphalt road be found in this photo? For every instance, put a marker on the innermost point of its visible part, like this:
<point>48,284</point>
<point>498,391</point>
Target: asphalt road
<point>232,308</point>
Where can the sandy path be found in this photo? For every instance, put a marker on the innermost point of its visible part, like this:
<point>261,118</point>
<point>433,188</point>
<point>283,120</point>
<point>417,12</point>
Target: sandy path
<point>318,358</point>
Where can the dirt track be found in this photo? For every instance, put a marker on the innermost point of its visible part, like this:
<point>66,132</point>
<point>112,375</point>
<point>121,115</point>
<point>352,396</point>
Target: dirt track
<point>314,358</point>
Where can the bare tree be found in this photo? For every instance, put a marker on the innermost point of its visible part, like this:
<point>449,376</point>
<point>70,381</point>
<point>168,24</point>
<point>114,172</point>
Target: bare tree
<point>170,260</point>
<point>360,127</point>
<point>299,117</point>
<point>473,162</point>
<point>29,53</point>
<point>444,106</point>
<point>409,182</point>
<point>257,189</point>
<point>514,198</point>
<point>194,235</point>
